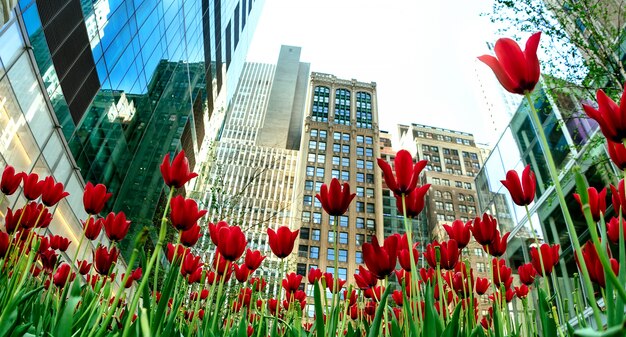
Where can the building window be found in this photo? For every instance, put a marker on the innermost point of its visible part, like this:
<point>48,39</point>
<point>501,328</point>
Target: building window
<point>468,186</point>
<point>445,182</point>
<point>334,174</point>
<point>438,194</point>
<point>342,273</point>
<point>360,163</point>
<point>336,148</point>
<point>307,200</point>
<point>360,206</point>
<point>480,267</point>
<point>358,257</point>
<point>458,184</point>
<point>345,161</point>
<point>306,216</point>
<point>331,254</point>
<point>321,158</point>
<point>345,137</point>
<point>369,152</point>
<point>336,160</point>
<point>319,172</point>
<point>311,157</point>
<point>470,198</point>
<point>360,177</point>
<point>319,110</point>
<point>360,223</point>
<point>321,146</point>
<point>342,106</point>
<point>370,208</point>
<point>304,233</point>
<point>359,139</point>
<point>441,217</point>
<point>463,208</point>
<point>343,238</point>
<point>461,197</point>
<point>363,110</point>
<point>369,178</point>
<point>315,235</point>
<point>436,181</point>
<point>314,252</point>
<point>343,221</point>
<point>360,191</point>
<point>369,192</point>
<point>313,133</point>
<point>371,224</point>
<point>322,133</point>
<point>317,203</point>
<point>337,136</point>
<point>439,205</point>
<point>359,239</point>
<point>345,148</point>
<point>369,140</point>
<point>449,207</point>
<point>308,185</point>
<point>369,164</point>
<point>360,151</point>
<point>303,251</point>
<point>478,252</point>
<point>345,175</point>
<point>447,195</point>
<point>343,256</point>
<point>310,170</point>
<point>317,217</point>
<point>312,145</point>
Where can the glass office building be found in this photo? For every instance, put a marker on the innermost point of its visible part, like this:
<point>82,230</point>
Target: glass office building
<point>574,140</point>
<point>128,81</point>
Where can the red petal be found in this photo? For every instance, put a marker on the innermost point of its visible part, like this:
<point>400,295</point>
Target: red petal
<point>533,69</point>
<point>511,59</point>
<point>505,80</point>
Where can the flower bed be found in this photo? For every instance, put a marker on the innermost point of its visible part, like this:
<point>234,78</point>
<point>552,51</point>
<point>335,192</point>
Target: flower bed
<point>41,294</point>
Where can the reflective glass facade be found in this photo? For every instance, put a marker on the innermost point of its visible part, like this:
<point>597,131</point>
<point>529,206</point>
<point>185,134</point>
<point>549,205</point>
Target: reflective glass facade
<point>578,142</point>
<point>30,137</point>
<point>132,80</point>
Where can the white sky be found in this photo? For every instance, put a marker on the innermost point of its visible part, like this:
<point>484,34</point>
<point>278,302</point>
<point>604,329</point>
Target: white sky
<point>421,54</point>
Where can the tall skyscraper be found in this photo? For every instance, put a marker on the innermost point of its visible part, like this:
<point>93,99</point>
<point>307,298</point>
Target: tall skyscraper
<point>250,181</point>
<point>129,81</point>
<point>453,162</point>
<point>340,140</point>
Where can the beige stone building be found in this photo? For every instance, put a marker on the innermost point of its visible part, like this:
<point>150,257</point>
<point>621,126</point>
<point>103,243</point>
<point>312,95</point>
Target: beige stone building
<point>340,139</point>
<point>454,160</point>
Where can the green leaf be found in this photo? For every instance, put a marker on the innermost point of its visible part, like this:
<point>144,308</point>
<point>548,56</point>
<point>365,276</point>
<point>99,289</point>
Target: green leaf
<point>409,312</point>
<point>548,327</point>
<point>375,327</point>
<point>170,282</point>
<point>243,326</point>
<point>395,328</point>
<point>66,319</point>
<point>21,329</point>
<point>478,331</point>
<point>319,312</point>
<point>453,329</point>
<point>614,331</point>
<point>433,326</point>
<point>497,321</point>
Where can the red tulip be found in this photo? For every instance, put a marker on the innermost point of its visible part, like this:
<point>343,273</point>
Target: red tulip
<point>116,226</point>
<point>522,192</point>
<point>253,259</point>
<point>291,282</point>
<point>5,241</point>
<point>52,192</point>
<point>48,260</point>
<point>594,266</point>
<point>134,276</point>
<point>93,228</point>
<point>403,277</point>
<point>618,197</point>
<point>195,276</point>
<point>521,291</point>
<point>189,237</point>
<point>314,275</point>
<point>612,228</point>
<point>549,256</point>
<point>177,174</point>
<point>58,242</point>
<point>241,273</point>
<point>597,202</point>
<point>482,285</point>
<point>414,201</point>
<point>232,243</point>
<point>527,273</point>
<point>497,248</point>
<point>374,292</point>
<point>190,264</point>
<point>214,230</point>
<point>509,295</point>
<point>35,215</point>
<point>10,180</point>
<point>282,240</point>
<point>11,220</point>
<point>104,259</point>
<point>397,297</point>
<point>517,71</point>
<point>448,252</point>
<point>83,267</point>
<point>617,152</point>
<point>381,261</point>
<point>62,275</point>
<point>610,116</point>
<point>221,265</point>
<point>184,213</point>
<point>95,197</point>
<point>404,258</point>
<point>335,199</point>
<point>350,297</point>
<point>460,232</point>
<point>330,283</point>
<point>407,174</point>
<point>33,187</point>
<point>258,284</point>
<point>501,273</point>
<point>484,229</point>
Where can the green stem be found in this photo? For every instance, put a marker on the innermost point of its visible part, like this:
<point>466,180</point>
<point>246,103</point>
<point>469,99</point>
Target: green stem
<point>414,288</point>
<point>543,269</point>
<point>568,219</point>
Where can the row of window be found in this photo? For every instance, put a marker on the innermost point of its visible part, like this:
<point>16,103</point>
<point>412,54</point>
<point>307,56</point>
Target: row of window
<point>314,234</point>
<point>343,220</point>
<point>448,206</point>
<point>446,182</point>
<point>445,138</point>
<point>313,252</point>
<point>448,195</point>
